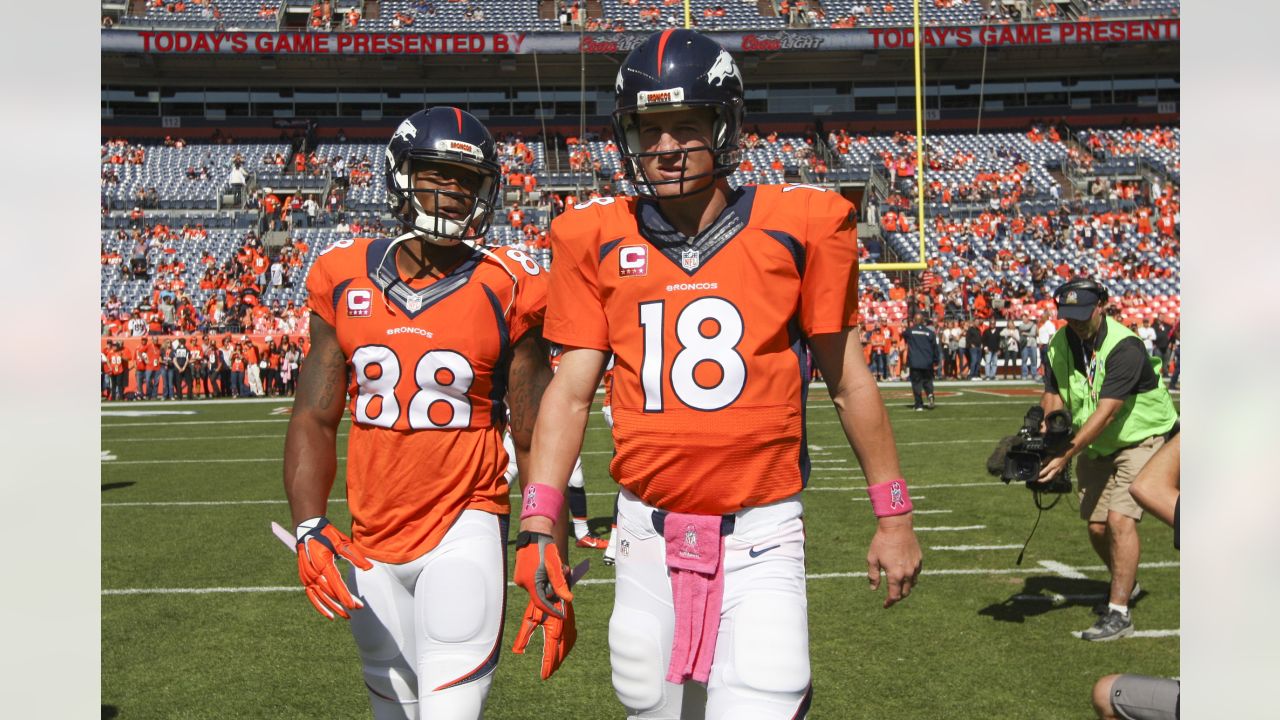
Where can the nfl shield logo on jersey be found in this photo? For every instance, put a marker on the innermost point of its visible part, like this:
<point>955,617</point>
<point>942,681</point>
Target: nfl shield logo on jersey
<point>413,304</point>
<point>689,259</point>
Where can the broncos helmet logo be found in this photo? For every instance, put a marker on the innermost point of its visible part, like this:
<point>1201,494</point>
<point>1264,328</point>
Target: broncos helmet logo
<point>407,131</point>
<point>722,69</point>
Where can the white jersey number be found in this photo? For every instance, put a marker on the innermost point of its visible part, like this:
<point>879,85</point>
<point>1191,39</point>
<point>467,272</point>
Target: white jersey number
<point>718,347</point>
<point>443,378</point>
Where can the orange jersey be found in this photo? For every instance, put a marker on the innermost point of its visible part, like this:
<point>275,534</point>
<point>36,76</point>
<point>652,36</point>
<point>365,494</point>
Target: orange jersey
<point>709,336</point>
<point>427,386</point>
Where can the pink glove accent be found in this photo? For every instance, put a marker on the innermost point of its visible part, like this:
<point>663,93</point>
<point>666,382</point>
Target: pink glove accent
<point>890,498</point>
<point>542,500</point>
<point>694,559</point>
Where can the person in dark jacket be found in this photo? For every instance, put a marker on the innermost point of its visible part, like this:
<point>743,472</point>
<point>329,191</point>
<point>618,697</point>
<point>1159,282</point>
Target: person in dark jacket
<point>923,355</point>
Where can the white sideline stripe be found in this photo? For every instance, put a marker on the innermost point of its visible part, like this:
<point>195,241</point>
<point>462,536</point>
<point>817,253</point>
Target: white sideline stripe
<point>930,512</point>
<point>971,548</point>
<point>191,422</point>
<point>209,460</point>
<point>609,581</point>
<point>951,529</point>
<point>144,413</point>
<point>1062,569</point>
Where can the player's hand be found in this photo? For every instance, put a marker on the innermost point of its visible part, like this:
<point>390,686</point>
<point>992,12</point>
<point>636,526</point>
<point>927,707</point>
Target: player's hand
<point>541,572</point>
<point>558,634</point>
<point>1051,469</point>
<point>894,550</point>
<point>318,542</point>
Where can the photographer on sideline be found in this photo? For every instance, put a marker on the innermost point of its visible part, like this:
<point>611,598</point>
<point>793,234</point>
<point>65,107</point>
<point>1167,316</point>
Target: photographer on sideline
<point>1141,697</point>
<point>1122,413</point>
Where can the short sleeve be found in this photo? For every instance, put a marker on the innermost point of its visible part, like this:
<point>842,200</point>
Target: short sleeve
<point>1124,369</point>
<point>829,290</point>
<point>530,308</point>
<point>320,291</point>
<point>575,311</point>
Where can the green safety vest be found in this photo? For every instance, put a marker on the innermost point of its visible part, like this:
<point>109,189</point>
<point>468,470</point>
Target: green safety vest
<point>1142,415</point>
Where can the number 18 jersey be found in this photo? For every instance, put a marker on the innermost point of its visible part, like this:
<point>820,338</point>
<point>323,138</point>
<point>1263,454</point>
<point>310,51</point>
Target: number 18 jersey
<point>428,377</point>
<point>709,334</point>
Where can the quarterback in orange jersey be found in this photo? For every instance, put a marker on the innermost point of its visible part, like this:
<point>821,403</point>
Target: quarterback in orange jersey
<point>709,295</point>
<point>432,339</point>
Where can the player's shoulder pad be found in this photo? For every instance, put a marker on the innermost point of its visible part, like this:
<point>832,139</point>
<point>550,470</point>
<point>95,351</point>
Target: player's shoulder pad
<point>345,250</point>
<point>591,218</point>
<point>796,207</point>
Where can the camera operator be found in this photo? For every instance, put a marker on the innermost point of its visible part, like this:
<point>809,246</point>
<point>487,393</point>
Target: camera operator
<point>1121,411</point>
<point>1141,697</point>
<point>923,355</point>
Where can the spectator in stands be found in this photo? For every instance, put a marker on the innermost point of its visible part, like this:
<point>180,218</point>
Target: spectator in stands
<point>990,351</point>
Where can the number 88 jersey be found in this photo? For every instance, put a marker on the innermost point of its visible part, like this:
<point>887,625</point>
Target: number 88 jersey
<point>709,334</point>
<point>427,385</point>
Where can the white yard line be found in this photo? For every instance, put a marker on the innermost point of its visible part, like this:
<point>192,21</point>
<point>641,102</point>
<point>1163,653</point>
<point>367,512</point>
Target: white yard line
<point>956,528</point>
<point>1062,569</point>
<point>609,581</point>
<point>970,548</point>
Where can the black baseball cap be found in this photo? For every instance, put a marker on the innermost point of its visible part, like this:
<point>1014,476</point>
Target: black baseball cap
<point>1075,302</point>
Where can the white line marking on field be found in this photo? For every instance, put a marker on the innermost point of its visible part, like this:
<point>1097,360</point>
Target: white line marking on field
<point>144,413</point>
<point>842,461</point>
<point>107,456</point>
<point>970,548</point>
<point>609,581</point>
<point>930,512</point>
<point>1062,569</point>
<point>168,425</point>
<point>956,528</point>
<point>278,458</point>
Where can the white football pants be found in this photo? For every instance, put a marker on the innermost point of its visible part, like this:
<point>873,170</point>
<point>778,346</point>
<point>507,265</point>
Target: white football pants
<point>430,631</point>
<point>760,670</point>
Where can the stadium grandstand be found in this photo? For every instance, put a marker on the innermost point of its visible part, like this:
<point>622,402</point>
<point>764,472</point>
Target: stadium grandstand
<point>242,138</point>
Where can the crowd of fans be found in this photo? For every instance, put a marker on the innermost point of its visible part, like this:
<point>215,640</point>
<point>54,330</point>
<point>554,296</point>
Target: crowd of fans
<point>1138,227</point>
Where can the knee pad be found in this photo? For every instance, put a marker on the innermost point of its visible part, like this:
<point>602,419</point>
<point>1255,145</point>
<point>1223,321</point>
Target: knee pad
<point>635,654</point>
<point>771,644</point>
<point>453,599</point>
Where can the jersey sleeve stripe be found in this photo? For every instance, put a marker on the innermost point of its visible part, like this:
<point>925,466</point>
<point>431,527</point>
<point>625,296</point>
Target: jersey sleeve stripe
<point>498,392</point>
<point>338,290</point>
<point>608,248</point>
<point>792,245</point>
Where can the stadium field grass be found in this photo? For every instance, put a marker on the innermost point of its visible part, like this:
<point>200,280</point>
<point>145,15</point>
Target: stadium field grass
<point>202,616</point>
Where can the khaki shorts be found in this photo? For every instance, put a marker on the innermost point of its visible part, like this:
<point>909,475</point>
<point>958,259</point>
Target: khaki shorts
<point>1138,697</point>
<point>1104,482</point>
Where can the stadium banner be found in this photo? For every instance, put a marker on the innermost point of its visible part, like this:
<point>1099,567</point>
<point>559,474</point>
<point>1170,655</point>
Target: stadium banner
<point>198,42</point>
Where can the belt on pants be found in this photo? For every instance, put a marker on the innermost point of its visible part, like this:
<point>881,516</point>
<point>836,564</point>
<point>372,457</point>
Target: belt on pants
<point>727,522</point>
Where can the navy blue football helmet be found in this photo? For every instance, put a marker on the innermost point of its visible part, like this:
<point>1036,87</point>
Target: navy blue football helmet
<point>450,136</point>
<point>675,70</point>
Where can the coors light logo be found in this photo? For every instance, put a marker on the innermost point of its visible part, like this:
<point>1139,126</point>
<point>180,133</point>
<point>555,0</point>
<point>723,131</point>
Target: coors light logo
<point>780,41</point>
<point>612,44</point>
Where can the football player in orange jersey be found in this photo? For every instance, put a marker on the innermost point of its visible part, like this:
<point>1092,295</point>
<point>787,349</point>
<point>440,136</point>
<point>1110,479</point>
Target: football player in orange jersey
<point>708,295</point>
<point>432,339</point>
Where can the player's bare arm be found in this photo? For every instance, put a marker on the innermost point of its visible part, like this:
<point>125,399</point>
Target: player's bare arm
<point>310,445</point>
<point>562,420</point>
<point>529,376</point>
<point>894,548</point>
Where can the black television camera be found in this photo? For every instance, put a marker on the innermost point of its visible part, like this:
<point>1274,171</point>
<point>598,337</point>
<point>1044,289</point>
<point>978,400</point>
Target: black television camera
<point>1021,456</point>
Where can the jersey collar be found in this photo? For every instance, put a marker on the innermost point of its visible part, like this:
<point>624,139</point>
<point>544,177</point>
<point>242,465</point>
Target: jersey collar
<point>691,253</point>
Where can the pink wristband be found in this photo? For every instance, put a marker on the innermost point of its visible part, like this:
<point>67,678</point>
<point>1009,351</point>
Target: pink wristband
<point>890,498</point>
<point>542,500</point>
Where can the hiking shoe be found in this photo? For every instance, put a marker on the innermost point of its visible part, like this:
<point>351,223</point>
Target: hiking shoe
<point>1112,626</point>
<point>1102,607</point>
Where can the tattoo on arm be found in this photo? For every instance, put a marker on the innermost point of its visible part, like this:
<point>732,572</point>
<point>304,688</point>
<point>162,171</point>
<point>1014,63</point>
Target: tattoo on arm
<point>322,380</point>
<point>530,375</point>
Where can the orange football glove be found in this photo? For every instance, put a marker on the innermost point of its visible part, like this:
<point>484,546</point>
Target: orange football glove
<point>558,635</point>
<point>540,571</point>
<point>318,542</point>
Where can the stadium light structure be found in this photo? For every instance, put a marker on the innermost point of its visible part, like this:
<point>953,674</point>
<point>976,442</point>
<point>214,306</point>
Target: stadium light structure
<point>917,45</point>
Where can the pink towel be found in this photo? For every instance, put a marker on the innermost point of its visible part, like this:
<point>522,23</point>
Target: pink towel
<point>694,550</point>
